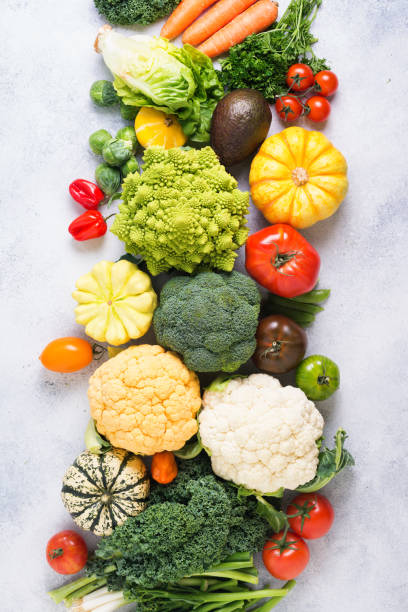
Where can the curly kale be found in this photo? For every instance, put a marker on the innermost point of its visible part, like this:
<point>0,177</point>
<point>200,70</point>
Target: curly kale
<point>128,12</point>
<point>210,319</point>
<point>190,525</point>
<point>261,61</point>
<point>183,212</point>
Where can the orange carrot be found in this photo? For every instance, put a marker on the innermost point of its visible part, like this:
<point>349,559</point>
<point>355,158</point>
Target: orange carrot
<point>215,19</point>
<point>255,19</point>
<point>183,16</point>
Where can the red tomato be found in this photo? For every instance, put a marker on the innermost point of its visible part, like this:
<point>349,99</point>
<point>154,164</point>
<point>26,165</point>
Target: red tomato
<point>326,83</point>
<point>300,77</point>
<point>317,109</point>
<point>67,355</point>
<point>282,261</point>
<point>285,557</point>
<point>315,515</point>
<point>67,552</point>
<point>288,108</point>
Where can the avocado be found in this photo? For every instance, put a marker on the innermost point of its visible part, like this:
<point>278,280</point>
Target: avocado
<point>240,123</point>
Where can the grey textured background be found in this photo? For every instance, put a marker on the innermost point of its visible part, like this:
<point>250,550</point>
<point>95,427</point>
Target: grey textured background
<point>46,67</point>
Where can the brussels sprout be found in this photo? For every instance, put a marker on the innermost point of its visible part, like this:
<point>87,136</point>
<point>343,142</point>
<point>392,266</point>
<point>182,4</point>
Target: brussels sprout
<point>116,151</point>
<point>98,140</point>
<point>128,133</point>
<point>130,166</point>
<point>103,93</point>
<point>108,178</point>
<point>128,112</point>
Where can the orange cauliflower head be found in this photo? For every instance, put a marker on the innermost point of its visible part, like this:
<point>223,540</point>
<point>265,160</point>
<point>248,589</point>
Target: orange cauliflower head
<point>145,400</point>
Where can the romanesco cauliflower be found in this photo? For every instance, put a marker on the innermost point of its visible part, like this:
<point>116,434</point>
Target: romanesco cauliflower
<point>183,212</point>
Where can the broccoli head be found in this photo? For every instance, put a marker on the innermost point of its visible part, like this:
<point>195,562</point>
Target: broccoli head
<point>183,212</point>
<point>210,319</point>
<point>128,12</point>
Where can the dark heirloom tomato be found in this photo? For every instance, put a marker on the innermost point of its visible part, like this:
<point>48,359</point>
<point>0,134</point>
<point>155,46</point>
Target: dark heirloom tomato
<point>282,261</point>
<point>280,344</point>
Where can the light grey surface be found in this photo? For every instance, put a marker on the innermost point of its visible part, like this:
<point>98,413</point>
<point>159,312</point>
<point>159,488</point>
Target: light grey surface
<point>47,65</point>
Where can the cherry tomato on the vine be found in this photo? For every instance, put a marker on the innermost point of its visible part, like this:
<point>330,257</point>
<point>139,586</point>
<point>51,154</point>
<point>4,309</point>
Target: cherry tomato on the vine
<point>67,552</point>
<point>67,355</point>
<point>285,556</point>
<point>300,77</point>
<point>326,83</point>
<point>311,515</point>
<point>317,109</point>
<point>288,108</point>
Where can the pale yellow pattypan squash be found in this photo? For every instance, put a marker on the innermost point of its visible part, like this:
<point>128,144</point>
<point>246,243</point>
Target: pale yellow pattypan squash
<point>116,302</point>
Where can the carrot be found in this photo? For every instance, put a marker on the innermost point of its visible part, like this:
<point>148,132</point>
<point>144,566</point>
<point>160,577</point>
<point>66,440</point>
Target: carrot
<point>215,19</point>
<point>255,19</point>
<point>183,16</point>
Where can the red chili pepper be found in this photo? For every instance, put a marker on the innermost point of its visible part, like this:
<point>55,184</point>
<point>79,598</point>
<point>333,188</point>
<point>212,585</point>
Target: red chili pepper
<point>86,193</point>
<point>91,224</point>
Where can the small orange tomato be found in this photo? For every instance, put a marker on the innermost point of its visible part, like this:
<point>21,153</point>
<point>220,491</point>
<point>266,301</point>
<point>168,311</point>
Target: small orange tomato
<point>67,355</point>
<point>164,467</point>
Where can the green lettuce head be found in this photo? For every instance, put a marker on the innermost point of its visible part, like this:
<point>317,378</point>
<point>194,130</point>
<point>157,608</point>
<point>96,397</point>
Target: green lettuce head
<point>153,72</point>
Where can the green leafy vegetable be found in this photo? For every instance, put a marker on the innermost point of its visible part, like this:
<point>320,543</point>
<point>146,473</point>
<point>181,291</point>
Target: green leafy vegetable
<point>98,140</point>
<point>190,525</point>
<point>153,72</point>
<point>184,211</point>
<point>331,462</point>
<point>262,60</point>
<point>128,12</point>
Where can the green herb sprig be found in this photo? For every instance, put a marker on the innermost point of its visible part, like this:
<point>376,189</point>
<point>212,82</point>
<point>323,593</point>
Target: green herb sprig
<point>262,60</point>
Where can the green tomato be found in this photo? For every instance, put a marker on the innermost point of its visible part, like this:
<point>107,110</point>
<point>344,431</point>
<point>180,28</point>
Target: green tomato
<point>116,152</point>
<point>98,140</point>
<point>318,377</point>
<point>130,166</point>
<point>103,93</point>
<point>128,133</point>
<point>128,112</point>
<point>108,179</point>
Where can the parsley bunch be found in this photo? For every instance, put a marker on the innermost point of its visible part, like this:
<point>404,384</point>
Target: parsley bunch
<point>262,60</point>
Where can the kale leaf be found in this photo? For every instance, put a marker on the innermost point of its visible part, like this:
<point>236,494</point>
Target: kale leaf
<point>128,12</point>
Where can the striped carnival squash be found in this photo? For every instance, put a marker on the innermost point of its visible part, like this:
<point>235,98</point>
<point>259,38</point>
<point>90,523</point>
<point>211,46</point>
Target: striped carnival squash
<point>102,491</point>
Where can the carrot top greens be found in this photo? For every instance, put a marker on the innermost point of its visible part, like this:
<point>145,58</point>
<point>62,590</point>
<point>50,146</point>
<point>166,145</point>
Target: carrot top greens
<point>262,60</point>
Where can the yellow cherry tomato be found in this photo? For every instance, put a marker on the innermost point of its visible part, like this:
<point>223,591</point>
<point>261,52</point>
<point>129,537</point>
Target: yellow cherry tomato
<point>155,128</point>
<point>67,355</point>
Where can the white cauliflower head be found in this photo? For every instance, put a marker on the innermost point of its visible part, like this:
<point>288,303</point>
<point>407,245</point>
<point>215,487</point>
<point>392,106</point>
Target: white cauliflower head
<point>261,435</point>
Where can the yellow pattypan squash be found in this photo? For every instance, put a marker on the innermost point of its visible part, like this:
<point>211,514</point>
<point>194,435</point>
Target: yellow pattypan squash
<point>155,128</point>
<point>116,302</point>
<point>298,177</point>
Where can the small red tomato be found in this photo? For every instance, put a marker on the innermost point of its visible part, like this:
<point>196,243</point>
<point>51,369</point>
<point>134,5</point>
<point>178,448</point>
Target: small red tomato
<point>67,552</point>
<point>312,515</point>
<point>326,83</point>
<point>288,108</point>
<point>285,557</point>
<point>67,355</point>
<point>300,77</point>
<point>317,109</point>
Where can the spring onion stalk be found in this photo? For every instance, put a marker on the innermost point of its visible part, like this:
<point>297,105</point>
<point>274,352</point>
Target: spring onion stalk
<point>218,588</point>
